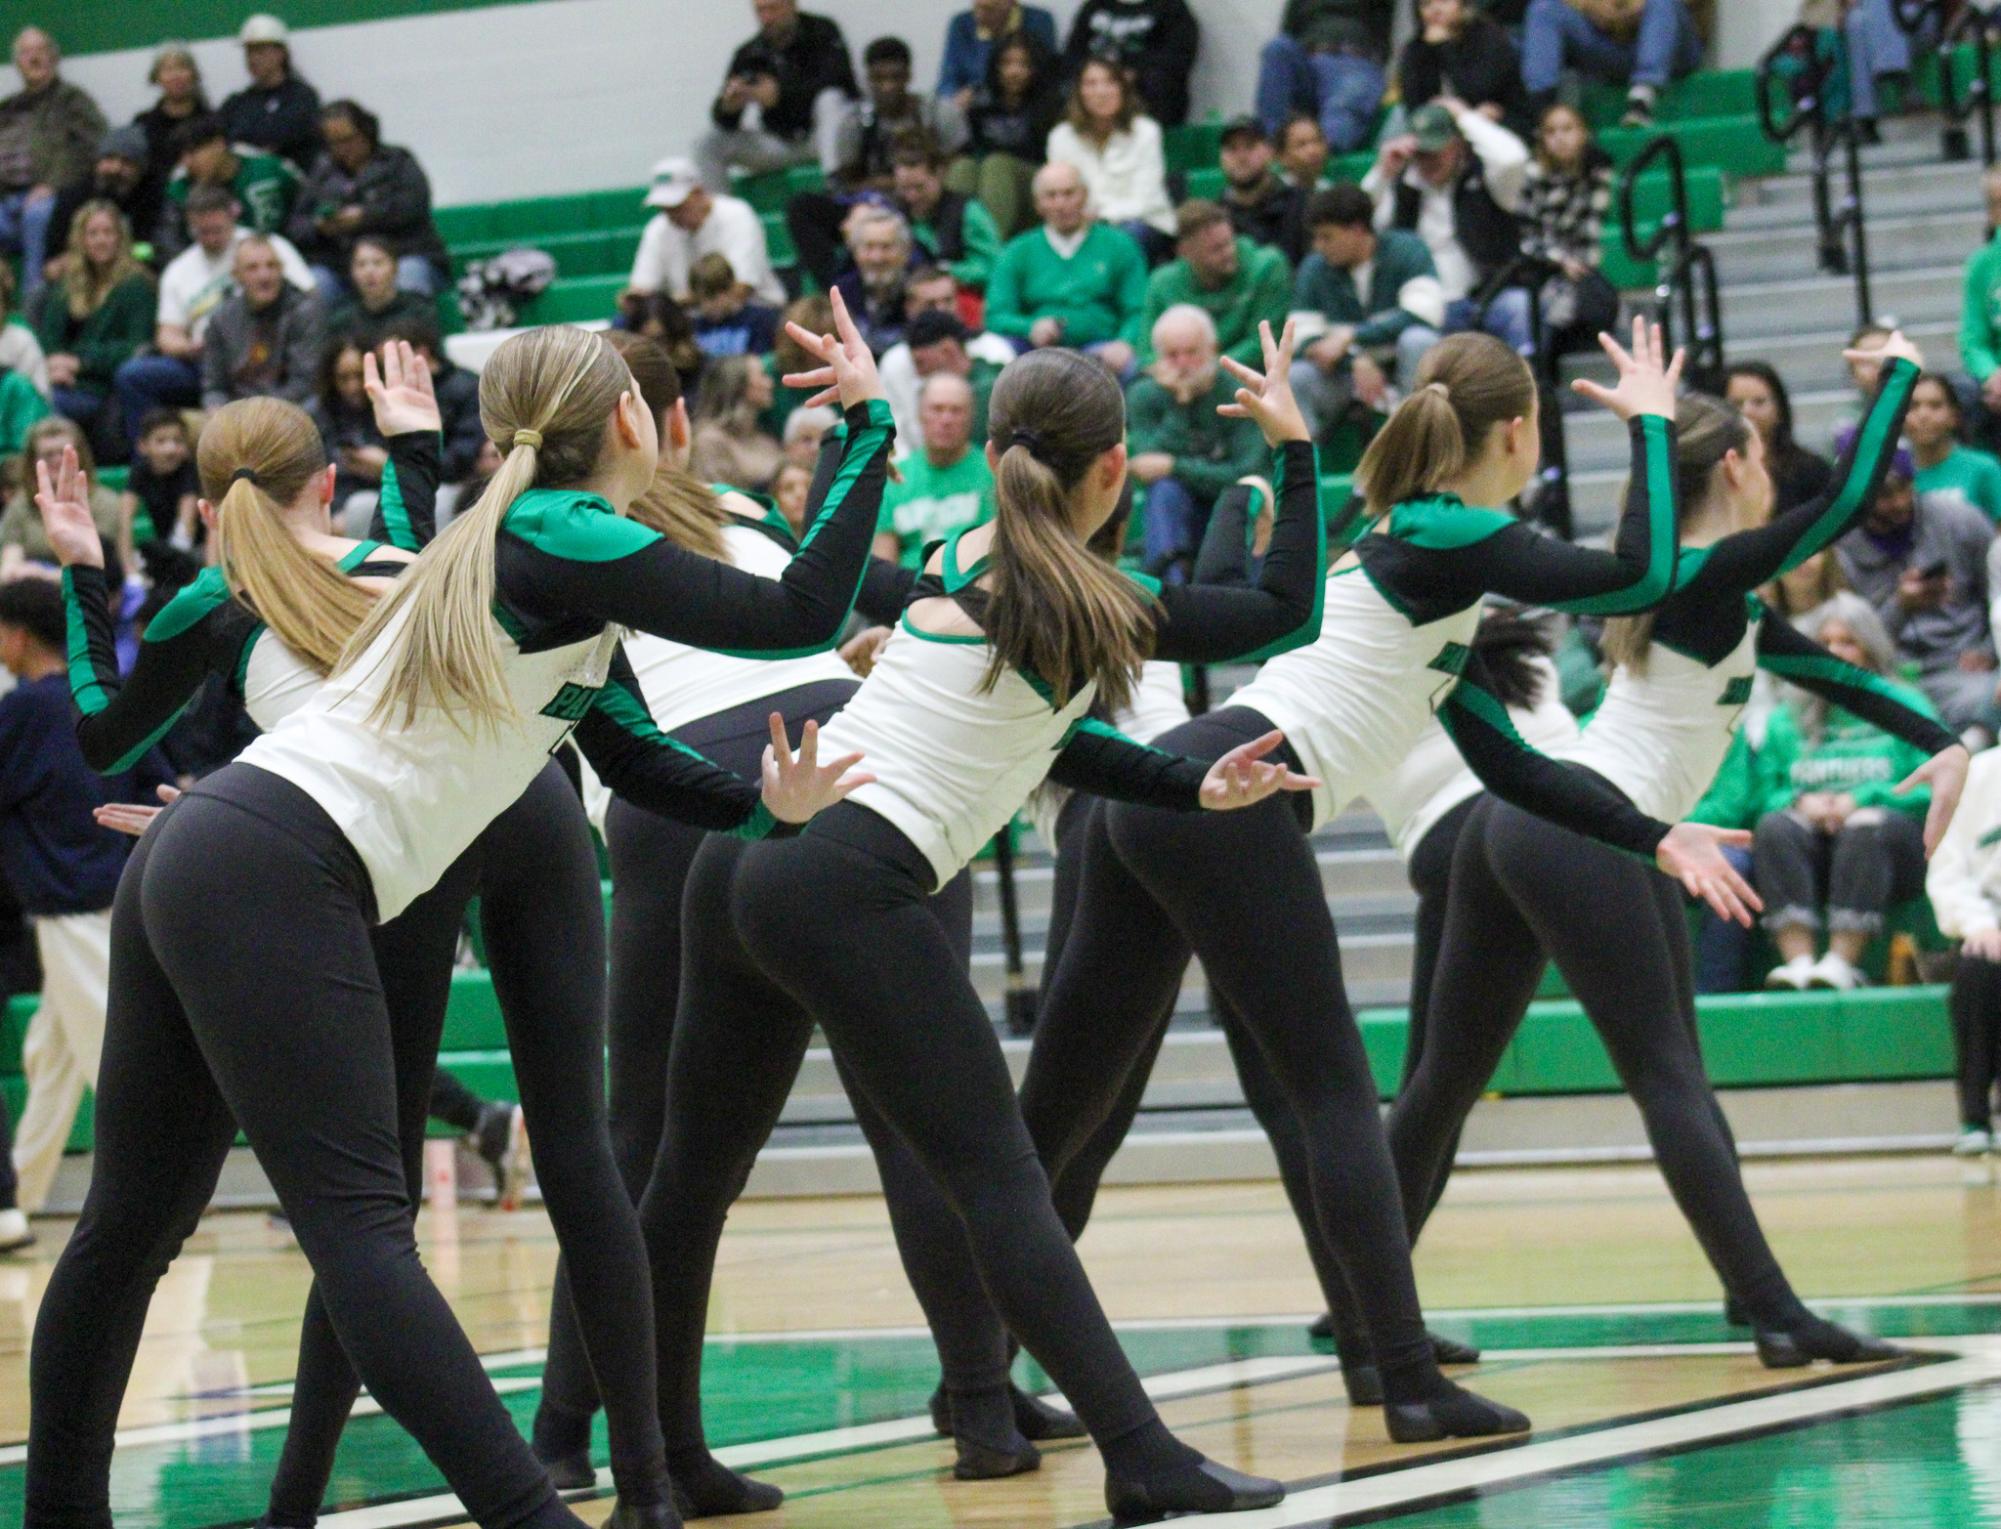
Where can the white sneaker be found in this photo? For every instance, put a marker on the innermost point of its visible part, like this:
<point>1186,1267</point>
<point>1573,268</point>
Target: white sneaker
<point>1973,1142</point>
<point>1792,975</point>
<point>1830,971</point>
<point>15,1233</point>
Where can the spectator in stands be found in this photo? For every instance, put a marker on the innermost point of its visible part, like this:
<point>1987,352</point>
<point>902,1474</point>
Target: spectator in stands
<point>195,283</point>
<point>1183,451</point>
<point>1798,592</point>
<point>797,74</point>
<point>177,77</point>
<point>1262,206</point>
<point>62,867</point>
<point>1074,281</point>
<point>277,110</point>
<point>21,359</point>
<point>951,229</point>
<point>1235,281</point>
<point>1462,53</point>
<point>265,341</point>
<point>887,114</point>
<point>1117,149</point>
<point>815,315</point>
<point>1379,295</point>
<point>49,129</point>
<point>22,539</point>
<point>729,447</point>
<point>265,185</point>
<point>947,484</point>
<point>1879,53</point>
<point>728,320</point>
<point>1153,40</point>
<point>972,36</point>
<point>1966,900</point>
<point>362,185</point>
<point>98,313</point>
<point>879,248</point>
<point>456,389</point>
<point>1456,181</point>
<point>693,221</point>
<point>1921,561</point>
<point>377,300</point>
<point>1008,122</point>
<point>1980,317</point>
<point>1722,948</point>
<point>931,313</point>
<point>120,178</point>
<point>1835,825</point>
<point>805,429</point>
<point>789,490</point>
<point>1760,395</point>
<point>1302,152</point>
<point>163,481</point>
<point>1328,59</point>
<point>340,407</point>
<point>1945,467</point>
<point>1642,46</point>
<point>1565,200</point>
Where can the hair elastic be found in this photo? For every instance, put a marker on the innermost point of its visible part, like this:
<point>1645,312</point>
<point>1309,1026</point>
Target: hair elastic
<point>1029,441</point>
<point>529,438</point>
<point>248,474</point>
<point>1439,388</point>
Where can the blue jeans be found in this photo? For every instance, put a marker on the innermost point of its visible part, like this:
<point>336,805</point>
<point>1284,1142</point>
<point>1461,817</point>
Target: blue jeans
<point>76,404</point>
<point>1507,320</point>
<point>1876,46</point>
<point>1175,520</point>
<point>1723,949</point>
<point>146,383</point>
<point>1343,91</point>
<point>1555,34</point>
<point>24,226</point>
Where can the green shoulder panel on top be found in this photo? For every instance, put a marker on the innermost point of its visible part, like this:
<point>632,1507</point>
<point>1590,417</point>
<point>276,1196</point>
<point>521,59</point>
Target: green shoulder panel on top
<point>583,528</point>
<point>209,591</point>
<point>1444,523</point>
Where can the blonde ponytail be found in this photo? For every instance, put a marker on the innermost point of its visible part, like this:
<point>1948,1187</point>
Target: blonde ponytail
<point>544,397</point>
<point>1465,386</point>
<point>1057,610</point>
<point>257,456</point>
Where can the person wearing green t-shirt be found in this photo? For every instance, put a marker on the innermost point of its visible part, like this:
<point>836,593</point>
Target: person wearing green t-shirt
<point>1183,451</point>
<point>1835,828</point>
<point>947,485</point>
<point>1236,281</point>
<point>264,185</point>
<point>1934,427</point>
<point>1980,308</point>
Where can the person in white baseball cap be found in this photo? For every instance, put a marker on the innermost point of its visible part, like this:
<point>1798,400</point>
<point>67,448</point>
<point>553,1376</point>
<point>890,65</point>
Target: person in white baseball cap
<point>692,222</point>
<point>277,110</point>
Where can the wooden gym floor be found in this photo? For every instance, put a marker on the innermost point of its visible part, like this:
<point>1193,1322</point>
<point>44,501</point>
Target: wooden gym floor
<point>1598,1315</point>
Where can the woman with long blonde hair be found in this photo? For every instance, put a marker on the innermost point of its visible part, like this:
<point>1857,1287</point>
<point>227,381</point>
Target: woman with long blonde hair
<point>99,312</point>
<point>498,644</point>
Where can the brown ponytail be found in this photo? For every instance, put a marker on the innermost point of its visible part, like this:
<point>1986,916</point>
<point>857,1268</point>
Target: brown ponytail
<point>257,456</point>
<point>1706,430</point>
<point>1057,611</point>
<point>677,504</point>
<point>1465,386</point>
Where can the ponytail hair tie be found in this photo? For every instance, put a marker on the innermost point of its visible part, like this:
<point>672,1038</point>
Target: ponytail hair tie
<point>1029,441</point>
<point>1439,388</point>
<point>248,475</point>
<point>529,438</point>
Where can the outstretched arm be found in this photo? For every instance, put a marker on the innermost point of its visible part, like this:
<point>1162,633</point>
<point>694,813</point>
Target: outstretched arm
<point>1103,761</point>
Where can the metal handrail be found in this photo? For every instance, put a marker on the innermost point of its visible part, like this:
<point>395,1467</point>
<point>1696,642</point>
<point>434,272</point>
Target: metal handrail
<point>1809,108</point>
<point>1686,270</point>
<point>1966,25</point>
<point>1843,235</point>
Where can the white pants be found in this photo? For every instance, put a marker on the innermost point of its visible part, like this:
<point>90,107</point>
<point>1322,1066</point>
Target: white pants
<point>64,1040</point>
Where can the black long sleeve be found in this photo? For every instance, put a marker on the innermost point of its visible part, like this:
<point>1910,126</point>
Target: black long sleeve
<point>651,770</point>
<point>1223,561</point>
<point>1561,793</point>
<point>1204,623</point>
<point>1099,759</point>
<point>406,510</point>
<point>1792,655</point>
<point>572,562</point>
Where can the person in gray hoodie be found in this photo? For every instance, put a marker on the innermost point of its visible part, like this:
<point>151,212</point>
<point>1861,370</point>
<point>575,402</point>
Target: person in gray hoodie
<point>265,341</point>
<point>1922,561</point>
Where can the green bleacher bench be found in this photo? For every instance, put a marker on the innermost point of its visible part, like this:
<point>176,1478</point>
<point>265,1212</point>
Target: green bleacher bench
<point>1709,93</point>
<point>585,252</point>
<point>579,301</point>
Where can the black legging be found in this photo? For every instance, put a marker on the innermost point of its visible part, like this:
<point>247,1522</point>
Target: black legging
<point>535,872</point>
<point>834,927</point>
<point>244,990</point>
<point>650,860</point>
<point>453,1103</point>
<point>1976,1033</point>
<point>1523,891</point>
<point>1158,886</point>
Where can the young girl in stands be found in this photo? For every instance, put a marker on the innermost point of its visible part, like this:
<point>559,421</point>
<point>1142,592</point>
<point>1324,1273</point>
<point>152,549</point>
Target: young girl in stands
<point>1117,149</point>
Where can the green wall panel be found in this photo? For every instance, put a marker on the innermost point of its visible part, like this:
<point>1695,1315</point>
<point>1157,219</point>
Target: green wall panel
<point>108,26</point>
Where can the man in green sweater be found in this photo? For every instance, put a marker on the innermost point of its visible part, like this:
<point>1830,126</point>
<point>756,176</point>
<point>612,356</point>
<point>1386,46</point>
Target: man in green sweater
<point>1183,451</point>
<point>947,486</point>
<point>1980,316</point>
<point>1236,280</point>
<point>1379,295</point>
<point>1073,281</point>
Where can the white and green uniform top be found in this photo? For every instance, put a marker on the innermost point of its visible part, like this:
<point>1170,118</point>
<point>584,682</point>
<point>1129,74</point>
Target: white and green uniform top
<point>1158,705</point>
<point>412,792</point>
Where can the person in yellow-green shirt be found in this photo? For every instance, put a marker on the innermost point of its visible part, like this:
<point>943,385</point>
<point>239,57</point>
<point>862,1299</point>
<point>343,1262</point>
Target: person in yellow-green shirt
<point>947,485</point>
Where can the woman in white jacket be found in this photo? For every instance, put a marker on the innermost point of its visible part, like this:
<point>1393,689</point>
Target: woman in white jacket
<point>1116,148</point>
<point>1964,883</point>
